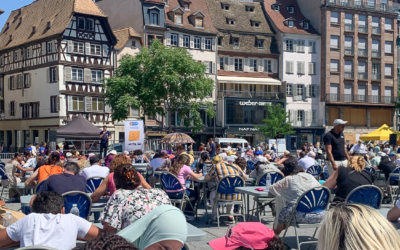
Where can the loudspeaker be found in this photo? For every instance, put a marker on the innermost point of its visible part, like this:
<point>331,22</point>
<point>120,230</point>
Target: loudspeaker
<point>393,139</point>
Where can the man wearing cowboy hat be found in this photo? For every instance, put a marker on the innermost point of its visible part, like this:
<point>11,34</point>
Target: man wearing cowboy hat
<point>335,146</point>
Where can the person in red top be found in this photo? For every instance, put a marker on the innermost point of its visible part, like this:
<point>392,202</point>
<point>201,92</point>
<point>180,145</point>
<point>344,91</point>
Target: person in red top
<point>51,168</point>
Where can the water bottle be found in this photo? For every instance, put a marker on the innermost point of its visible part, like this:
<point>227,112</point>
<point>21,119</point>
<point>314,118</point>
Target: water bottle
<point>75,210</point>
<point>267,182</point>
<point>8,219</point>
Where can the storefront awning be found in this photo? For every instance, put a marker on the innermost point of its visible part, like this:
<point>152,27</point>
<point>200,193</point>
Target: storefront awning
<point>249,80</point>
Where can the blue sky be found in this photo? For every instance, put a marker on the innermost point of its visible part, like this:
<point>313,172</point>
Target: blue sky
<point>10,5</point>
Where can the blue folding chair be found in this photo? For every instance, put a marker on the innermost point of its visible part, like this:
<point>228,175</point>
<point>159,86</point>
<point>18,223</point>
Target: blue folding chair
<point>81,199</point>
<point>38,186</point>
<point>370,170</point>
<point>260,203</point>
<point>226,187</point>
<point>175,191</point>
<point>93,183</point>
<point>250,166</point>
<point>393,182</point>
<point>315,171</point>
<point>367,195</point>
<point>314,200</point>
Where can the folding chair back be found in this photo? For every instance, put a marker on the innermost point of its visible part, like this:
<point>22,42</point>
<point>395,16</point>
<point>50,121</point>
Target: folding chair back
<point>275,177</point>
<point>314,171</point>
<point>81,199</point>
<point>314,200</point>
<point>394,175</point>
<point>227,185</point>
<point>371,170</point>
<point>250,165</point>
<point>367,195</point>
<point>93,183</point>
<point>3,173</point>
<point>37,188</point>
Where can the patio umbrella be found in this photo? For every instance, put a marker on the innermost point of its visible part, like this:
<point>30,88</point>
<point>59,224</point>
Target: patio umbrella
<point>177,138</point>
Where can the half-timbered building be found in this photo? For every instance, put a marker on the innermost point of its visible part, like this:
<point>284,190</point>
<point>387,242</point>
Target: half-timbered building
<point>54,55</point>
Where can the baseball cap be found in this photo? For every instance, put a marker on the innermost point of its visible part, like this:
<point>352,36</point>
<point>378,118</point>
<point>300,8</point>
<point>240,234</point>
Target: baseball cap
<point>339,122</point>
<point>113,152</point>
<point>216,159</point>
<point>68,155</point>
<point>253,235</point>
<point>381,154</point>
<point>392,154</point>
<point>259,152</point>
<point>230,158</point>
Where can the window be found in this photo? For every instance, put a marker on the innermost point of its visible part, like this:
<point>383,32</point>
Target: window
<point>85,24</point>
<point>334,42</point>
<point>25,110</point>
<point>267,66</point>
<point>290,23</point>
<point>348,44</point>
<point>77,103</point>
<point>300,68</point>
<point>300,46</point>
<point>15,56</point>
<point>259,43</point>
<point>253,65</point>
<point>77,74</point>
<point>49,48</point>
<point>208,44</point>
<point>198,22</point>
<point>27,80</point>
<point>362,23</point>
<point>174,39</point>
<point>95,49</point>
<point>275,7</point>
<point>300,89</point>
<point>20,81</point>
<point>371,3</point>
<point>224,6</point>
<point>89,24</point>
<point>53,74</point>
<point>348,66</point>
<point>311,46</point>
<point>97,76</point>
<point>388,70</point>
<point>220,39</point>
<point>178,18</point>
<point>81,23</point>
<point>238,64</point>
<point>249,8</point>
<point>221,63</point>
<point>230,21</point>
<point>186,41</point>
<point>289,89</point>
<point>11,83</point>
<point>290,9</point>
<point>197,42</point>
<point>34,110</point>
<point>209,67</point>
<point>388,24</point>
<point>133,44</point>
<point>306,25</point>
<point>311,68</point>
<point>78,48</point>
<point>235,42</point>
<point>348,19</point>
<point>388,47</point>
<point>254,24</point>
<point>289,45</point>
<point>12,108</point>
<point>54,104</point>
<point>376,25</point>
<point>334,17</point>
<point>154,17</point>
<point>97,104</point>
<point>334,65</point>
<point>289,67</point>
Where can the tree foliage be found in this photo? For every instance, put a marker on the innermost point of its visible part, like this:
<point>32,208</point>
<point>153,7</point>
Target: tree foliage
<point>275,124</point>
<point>159,80</point>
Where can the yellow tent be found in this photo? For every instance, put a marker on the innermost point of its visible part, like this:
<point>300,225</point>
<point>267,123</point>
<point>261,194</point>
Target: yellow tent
<point>380,134</point>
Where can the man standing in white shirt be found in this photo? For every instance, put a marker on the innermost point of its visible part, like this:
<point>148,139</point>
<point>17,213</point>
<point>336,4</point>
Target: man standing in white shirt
<point>95,170</point>
<point>48,225</point>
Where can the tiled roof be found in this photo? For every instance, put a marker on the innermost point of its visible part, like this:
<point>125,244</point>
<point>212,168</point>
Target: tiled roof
<point>198,6</point>
<point>154,1</point>
<point>123,36</point>
<point>278,17</point>
<point>40,14</point>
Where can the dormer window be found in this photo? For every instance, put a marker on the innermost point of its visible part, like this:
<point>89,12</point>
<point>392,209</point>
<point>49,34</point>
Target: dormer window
<point>230,21</point>
<point>259,43</point>
<point>186,5</point>
<point>290,9</point>
<point>254,23</point>
<point>305,24</point>
<point>199,22</point>
<point>249,8</point>
<point>276,7</point>
<point>234,41</point>
<point>178,18</point>
<point>83,24</point>
<point>225,6</point>
<point>154,17</point>
<point>289,22</point>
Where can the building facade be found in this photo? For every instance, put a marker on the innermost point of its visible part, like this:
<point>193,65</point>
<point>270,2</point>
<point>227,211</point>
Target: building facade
<point>359,61</point>
<point>300,61</point>
<point>247,67</point>
<point>51,69</point>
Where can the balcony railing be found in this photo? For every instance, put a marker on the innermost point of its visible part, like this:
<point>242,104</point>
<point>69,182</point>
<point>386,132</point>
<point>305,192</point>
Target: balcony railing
<point>367,99</point>
<point>375,53</point>
<point>362,76</point>
<point>376,30</point>
<point>348,75</point>
<point>376,76</point>
<point>362,52</point>
<point>348,27</point>
<point>362,29</point>
<point>360,4</point>
<point>251,94</point>
<point>348,51</point>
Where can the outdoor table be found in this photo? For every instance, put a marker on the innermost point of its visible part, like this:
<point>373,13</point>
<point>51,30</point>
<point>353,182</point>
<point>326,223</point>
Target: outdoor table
<point>204,198</point>
<point>247,191</point>
<point>26,189</point>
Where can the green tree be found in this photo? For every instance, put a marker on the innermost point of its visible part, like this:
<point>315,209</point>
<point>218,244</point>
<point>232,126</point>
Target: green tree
<point>160,80</point>
<point>275,123</point>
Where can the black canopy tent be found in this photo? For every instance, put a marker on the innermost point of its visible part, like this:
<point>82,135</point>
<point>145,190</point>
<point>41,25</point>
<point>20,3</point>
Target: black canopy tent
<point>79,134</point>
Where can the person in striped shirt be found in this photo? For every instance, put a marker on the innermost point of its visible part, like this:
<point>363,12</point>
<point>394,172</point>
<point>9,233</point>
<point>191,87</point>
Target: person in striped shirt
<point>217,172</point>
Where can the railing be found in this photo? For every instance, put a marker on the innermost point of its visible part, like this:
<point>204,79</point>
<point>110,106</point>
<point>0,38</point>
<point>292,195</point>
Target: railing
<point>362,52</point>
<point>348,75</point>
<point>251,94</point>
<point>376,30</point>
<point>350,98</point>
<point>362,76</point>
<point>6,156</point>
<point>360,4</point>
<point>348,27</point>
<point>362,29</point>
<point>376,76</point>
<point>375,53</point>
<point>348,51</point>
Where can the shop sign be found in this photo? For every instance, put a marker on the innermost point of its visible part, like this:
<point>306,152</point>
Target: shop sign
<point>248,129</point>
<point>255,103</point>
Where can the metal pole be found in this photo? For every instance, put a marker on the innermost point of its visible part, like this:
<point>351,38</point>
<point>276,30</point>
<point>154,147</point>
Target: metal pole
<point>215,116</point>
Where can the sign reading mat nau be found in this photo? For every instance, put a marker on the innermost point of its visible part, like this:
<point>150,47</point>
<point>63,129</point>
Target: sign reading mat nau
<point>134,135</point>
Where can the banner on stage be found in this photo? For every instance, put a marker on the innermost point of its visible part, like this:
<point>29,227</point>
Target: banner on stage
<point>134,135</point>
